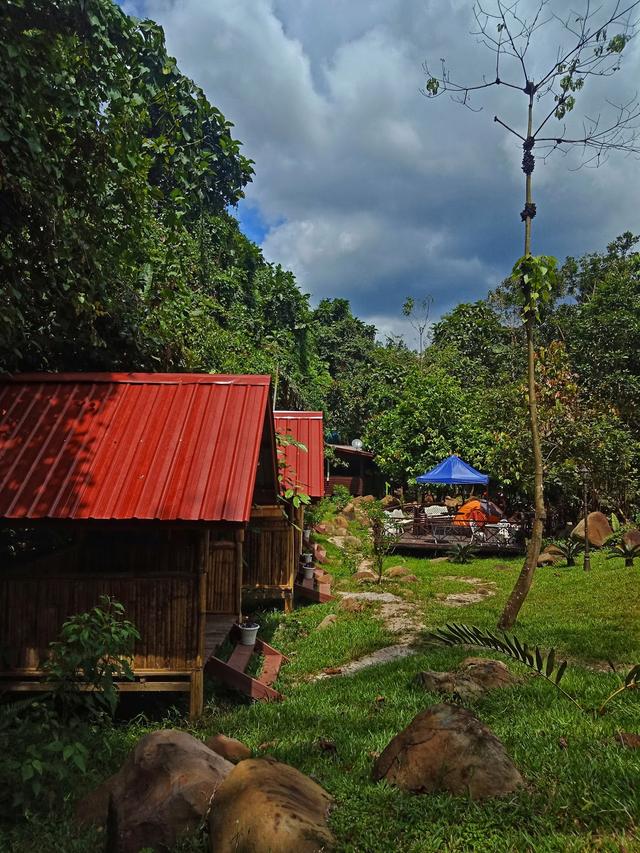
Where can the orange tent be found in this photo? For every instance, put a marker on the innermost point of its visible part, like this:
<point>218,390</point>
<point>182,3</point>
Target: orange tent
<point>477,510</point>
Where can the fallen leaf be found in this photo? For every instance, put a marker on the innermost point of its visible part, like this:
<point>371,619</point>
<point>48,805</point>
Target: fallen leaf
<point>629,739</point>
<point>326,745</point>
<point>563,743</point>
<point>332,670</point>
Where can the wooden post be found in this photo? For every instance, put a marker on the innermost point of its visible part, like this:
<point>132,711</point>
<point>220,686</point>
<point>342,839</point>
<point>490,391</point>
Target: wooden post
<point>196,694</point>
<point>239,540</point>
<point>196,698</point>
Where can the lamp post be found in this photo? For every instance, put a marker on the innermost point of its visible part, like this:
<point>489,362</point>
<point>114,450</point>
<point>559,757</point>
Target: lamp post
<point>584,473</point>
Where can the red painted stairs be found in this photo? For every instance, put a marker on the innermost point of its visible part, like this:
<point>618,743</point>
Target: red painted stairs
<point>232,672</point>
<point>316,589</point>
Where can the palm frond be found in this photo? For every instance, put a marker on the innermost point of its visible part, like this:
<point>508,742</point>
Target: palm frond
<point>544,664</point>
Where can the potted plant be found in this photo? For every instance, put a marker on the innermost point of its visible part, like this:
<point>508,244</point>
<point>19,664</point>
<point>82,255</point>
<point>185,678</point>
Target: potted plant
<point>308,570</point>
<point>307,559</point>
<point>248,631</point>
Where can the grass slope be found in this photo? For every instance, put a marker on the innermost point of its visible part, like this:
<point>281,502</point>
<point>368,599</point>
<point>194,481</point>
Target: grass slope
<point>583,789</point>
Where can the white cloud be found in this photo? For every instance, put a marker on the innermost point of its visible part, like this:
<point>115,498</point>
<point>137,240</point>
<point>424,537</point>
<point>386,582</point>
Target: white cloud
<point>370,191</point>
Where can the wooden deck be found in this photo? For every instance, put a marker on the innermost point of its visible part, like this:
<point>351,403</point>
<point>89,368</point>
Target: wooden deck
<point>439,535</point>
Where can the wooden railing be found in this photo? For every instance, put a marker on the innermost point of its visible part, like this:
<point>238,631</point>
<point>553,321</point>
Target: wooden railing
<point>442,530</point>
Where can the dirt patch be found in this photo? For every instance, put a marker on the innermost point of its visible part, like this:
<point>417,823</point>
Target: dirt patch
<point>484,589</point>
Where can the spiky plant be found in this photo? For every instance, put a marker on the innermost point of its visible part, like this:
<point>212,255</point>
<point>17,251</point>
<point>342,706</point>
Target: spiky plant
<point>543,664</point>
<point>570,549</point>
<point>461,553</point>
<point>627,550</point>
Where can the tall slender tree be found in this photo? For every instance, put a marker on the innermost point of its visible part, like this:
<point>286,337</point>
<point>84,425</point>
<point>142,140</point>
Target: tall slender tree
<point>596,39</point>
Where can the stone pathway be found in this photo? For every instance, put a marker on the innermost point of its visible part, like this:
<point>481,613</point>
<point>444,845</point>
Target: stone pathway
<point>386,655</point>
<point>402,619</point>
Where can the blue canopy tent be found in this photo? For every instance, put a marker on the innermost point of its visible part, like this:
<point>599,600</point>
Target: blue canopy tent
<point>454,471</point>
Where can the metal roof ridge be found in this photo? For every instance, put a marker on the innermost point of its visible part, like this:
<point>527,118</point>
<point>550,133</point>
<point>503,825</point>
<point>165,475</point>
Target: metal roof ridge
<point>139,378</point>
<point>292,415</point>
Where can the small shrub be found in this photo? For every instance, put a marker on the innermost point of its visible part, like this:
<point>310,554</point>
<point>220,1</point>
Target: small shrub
<point>570,549</point>
<point>627,551</point>
<point>40,755</point>
<point>461,553</point>
<point>94,649</point>
<point>341,497</point>
<point>316,513</point>
<point>44,742</point>
<point>352,556</point>
<point>381,534</point>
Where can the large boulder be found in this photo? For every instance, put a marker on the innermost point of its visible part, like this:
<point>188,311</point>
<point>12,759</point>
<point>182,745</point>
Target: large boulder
<point>397,572</point>
<point>599,529</point>
<point>390,502</point>
<point>161,792</point>
<point>264,806</point>
<point>319,553</point>
<point>446,748</point>
<point>631,538</point>
<point>473,678</point>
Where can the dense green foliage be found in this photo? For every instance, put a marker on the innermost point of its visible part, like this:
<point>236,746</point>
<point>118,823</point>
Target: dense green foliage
<point>45,741</point>
<point>119,250</point>
<point>468,394</point>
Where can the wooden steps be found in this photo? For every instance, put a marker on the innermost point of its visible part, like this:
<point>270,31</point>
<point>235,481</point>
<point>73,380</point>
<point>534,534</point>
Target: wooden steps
<point>316,589</point>
<point>232,672</point>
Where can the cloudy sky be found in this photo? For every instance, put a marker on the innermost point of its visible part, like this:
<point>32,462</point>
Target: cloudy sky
<point>363,187</point>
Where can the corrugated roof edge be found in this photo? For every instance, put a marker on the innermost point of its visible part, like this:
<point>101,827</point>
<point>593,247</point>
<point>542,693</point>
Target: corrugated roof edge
<point>142,378</point>
<point>309,416</point>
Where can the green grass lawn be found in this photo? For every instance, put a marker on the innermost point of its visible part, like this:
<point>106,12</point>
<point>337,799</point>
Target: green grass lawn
<point>583,789</point>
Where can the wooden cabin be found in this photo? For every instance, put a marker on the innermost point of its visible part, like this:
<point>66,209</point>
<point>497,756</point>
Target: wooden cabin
<point>139,486</point>
<point>356,470</point>
<point>274,534</point>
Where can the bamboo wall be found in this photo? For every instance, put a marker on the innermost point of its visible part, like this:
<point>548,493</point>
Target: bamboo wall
<point>223,578</point>
<point>270,559</point>
<point>163,607</point>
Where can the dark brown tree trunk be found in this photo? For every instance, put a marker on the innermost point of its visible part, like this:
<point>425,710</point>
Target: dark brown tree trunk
<point>525,578</point>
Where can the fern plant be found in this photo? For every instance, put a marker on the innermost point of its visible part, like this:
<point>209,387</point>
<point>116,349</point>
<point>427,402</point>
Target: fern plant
<point>570,549</point>
<point>461,553</point>
<point>627,550</point>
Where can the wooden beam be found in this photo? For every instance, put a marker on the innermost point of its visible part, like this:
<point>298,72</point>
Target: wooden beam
<point>267,512</point>
<point>239,537</point>
<point>125,687</point>
<point>196,699</point>
<point>196,694</point>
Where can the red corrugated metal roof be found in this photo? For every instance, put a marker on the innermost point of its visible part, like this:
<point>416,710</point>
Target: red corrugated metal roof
<point>305,469</point>
<point>130,445</point>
